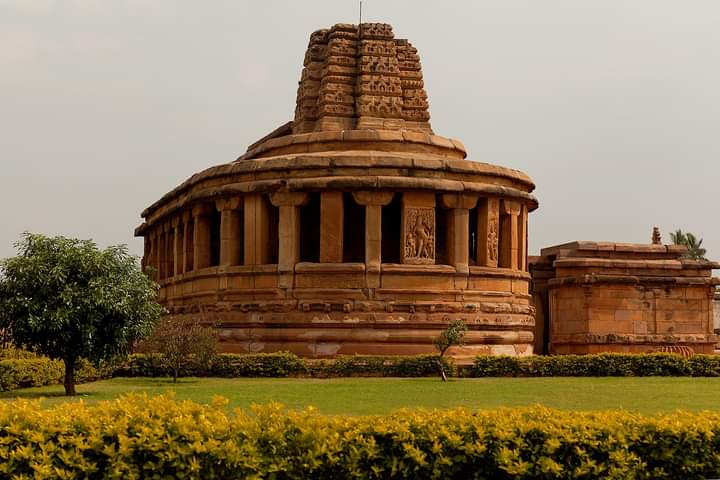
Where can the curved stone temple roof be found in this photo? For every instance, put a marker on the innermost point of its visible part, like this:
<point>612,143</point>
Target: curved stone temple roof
<point>361,113</point>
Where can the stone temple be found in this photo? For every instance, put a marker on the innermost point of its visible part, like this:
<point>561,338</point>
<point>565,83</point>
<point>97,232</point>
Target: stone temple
<point>354,228</point>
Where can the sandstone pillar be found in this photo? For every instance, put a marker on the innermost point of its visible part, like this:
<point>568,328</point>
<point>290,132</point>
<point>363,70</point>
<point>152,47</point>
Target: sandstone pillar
<point>459,229</point>
<point>257,229</point>
<point>522,238</point>
<point>488,228</point>
<point>201,237</point>
<point>169,250</point>
<point>288,233</point>
<point>510,211</point>
<point>148,251</point>
<point>230,231</point>
<point>158,254</point>
<point>331,227</point>
<point>188,250</point>
<point>417,232</point>
<point>162,252</point>
<point>373,202</point>
<point>153,260</point>
<point>177,246</point>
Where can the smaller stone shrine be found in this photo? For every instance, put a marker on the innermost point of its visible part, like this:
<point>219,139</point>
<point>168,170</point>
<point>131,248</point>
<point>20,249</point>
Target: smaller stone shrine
<point>595,297</point>
<point>716,323</point>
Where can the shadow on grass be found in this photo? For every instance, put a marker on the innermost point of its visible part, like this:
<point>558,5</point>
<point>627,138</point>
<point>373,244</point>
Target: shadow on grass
<point>32,394</point>
<point>154,381</point>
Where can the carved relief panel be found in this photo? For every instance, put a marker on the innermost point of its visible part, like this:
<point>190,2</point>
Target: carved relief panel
<point>418,236</point>
<point>488,232</point>
<point>492,240</point>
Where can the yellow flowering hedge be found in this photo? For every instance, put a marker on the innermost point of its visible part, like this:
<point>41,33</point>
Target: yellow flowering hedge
<point>139,437</point>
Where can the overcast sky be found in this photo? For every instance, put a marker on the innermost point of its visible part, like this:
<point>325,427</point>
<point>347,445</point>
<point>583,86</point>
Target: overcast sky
<point>611,106</point>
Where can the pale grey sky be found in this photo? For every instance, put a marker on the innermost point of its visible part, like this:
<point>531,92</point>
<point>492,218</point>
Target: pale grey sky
<point>611,106</point>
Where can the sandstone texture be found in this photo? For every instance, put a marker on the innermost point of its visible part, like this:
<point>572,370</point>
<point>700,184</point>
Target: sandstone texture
<point>618,297</point>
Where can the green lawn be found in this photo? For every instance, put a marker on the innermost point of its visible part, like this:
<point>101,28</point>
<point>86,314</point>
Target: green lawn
<point>360,396</point>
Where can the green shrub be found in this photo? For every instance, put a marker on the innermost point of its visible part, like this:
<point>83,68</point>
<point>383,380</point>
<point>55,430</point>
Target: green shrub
<point>141,437</point>
<point>600,365</point>
<point>280,364</point>
<point>12,353</point>
<point>285,364</point>
<point>38,371</point>
<point>29,372</point>
<point>379,366</point>
<point>227,365</point>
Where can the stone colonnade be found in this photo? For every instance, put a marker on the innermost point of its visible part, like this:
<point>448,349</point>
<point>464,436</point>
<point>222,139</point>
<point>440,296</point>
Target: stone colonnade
<point>260,229</point>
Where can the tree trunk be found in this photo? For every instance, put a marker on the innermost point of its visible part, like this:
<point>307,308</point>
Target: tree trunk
<point>442,369</point>
<point>175,374</point>
<point>69,377</point>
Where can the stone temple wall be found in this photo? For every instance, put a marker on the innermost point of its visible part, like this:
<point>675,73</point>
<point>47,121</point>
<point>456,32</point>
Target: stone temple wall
<point>614,297</point>
<point>716,305</point>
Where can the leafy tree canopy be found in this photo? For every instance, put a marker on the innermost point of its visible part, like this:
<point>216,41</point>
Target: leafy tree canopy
<point>69,300</point>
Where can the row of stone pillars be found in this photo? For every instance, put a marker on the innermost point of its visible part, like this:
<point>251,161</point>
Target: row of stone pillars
<point>185,243</point>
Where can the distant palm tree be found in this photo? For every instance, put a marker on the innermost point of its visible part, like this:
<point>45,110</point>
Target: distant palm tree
<point>694,246</point>
<point>678,237</point>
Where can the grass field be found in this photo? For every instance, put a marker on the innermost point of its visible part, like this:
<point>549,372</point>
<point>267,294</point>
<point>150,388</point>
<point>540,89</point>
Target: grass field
<point>362,396</point>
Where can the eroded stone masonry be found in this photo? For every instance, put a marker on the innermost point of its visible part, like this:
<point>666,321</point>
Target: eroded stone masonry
<point>619,297</point>
<point>353,228</point>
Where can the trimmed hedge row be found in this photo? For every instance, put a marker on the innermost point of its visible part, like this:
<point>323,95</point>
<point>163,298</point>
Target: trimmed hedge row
<point>285,364</point>
<point>39,371</point>
<point>599,365</point>
<point>140,437</point>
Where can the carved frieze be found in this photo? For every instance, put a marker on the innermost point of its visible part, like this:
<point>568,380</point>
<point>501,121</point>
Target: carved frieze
<point>380,85</point>
<point>409,65</point>
<point>416,115</point>
<point>340,60</point>
<point>338,98</point>
<point>415,103</point>
<point>410,74</point>
<point>337,79</point>
<point>411,84</point>
<point>338,70</point>
<point>418,236</point>
<point>378,48</point>
<point>377,106</point>
<point>382,65</point>
<point>341,46</point>
<point>337,87</point>
<point>381,31</point>
<point>336,110</point>
<point>344,31</point>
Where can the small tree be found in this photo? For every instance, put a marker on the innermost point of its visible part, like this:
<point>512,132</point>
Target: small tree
<point>182,340</point>
<point>454,334</point>
<point>68,300</point>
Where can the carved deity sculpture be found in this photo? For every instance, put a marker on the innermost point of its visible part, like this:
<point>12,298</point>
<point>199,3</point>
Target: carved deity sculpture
<point>419,242</point>
<point>492,241</point>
